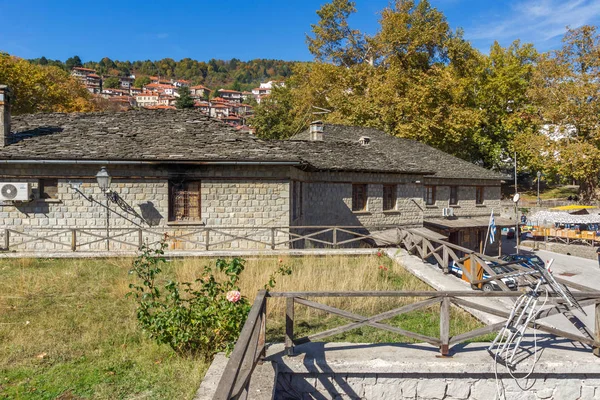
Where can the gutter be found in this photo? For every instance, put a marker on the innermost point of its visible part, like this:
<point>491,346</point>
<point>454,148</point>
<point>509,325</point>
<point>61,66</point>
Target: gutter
<point>117,162</point>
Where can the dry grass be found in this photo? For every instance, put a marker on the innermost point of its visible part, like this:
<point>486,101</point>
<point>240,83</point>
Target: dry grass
<point>67,330</point>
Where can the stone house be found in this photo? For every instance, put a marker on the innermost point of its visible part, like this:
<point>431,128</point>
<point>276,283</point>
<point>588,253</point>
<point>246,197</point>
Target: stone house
<point>203,183</point>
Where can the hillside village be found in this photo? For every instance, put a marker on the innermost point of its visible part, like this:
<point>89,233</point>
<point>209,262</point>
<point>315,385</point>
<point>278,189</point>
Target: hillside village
<point>230,106</point>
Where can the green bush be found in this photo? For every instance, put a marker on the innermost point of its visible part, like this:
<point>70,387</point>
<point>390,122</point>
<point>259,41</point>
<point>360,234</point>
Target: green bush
<point>200,318</point>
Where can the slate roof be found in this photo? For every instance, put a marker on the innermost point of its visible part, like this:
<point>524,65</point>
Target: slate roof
<point>190,135</point>
<point>158,135</point>
<point>401,151</point>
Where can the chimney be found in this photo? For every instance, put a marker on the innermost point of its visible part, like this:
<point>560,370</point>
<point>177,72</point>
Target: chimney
<point>5,99</point>
<point>316,131</point>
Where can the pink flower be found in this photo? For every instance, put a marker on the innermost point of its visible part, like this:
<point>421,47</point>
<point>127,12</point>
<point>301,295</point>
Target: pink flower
<point>233,296</point>
<point>381,267</point>
<point>378,254</point>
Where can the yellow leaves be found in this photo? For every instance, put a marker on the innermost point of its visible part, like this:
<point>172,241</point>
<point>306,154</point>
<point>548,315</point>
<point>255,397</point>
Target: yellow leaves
<point>42,88</point>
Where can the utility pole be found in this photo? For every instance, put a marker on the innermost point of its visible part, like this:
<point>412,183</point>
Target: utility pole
<point>516,201</point>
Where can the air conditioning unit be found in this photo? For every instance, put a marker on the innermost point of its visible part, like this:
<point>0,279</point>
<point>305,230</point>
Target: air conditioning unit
<point>15,191</point>
<point>448,212</point>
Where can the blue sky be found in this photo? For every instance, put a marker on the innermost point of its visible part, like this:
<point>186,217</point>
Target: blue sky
<point>205,29</point>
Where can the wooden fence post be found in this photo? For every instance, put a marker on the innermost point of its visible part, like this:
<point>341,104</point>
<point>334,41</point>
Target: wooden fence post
<point>262,335</point>
<point>6,239</point>
<point>597,330</point>
<point>335,237</point>
<point>272,238</point>
<point>472,269</point>
<point>207,238</point>
<point>445,259</point>
<point>73,239</point>
<point>445,326</point>
<point>289,327</point>
<point>140,239</point>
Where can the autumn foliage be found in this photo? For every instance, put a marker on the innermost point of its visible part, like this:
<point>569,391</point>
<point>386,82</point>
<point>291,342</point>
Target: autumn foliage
<point>39,88</point>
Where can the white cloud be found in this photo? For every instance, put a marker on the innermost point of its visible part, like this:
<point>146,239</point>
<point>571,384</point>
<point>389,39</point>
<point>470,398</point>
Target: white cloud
<point>536,21</point>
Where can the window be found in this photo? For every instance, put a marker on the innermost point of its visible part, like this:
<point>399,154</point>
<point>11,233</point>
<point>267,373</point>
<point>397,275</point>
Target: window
<point>453,195</point>
<point>479,195</point>
<point>389,197</point>
<point>359,197</point>
<point>429,195</point>
<point>48,188</point>
<point>184,201</point>
<point>296,200</point>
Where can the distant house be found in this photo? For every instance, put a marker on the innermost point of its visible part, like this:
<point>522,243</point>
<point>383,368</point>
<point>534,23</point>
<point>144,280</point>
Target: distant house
<point>166,89</point>
<point>166,100</point>
<point>146,99</point>
<point>199,91</point>
<point>219,110</point>
<point>134,91</point>
<point>126,82</point>
<point>180,82</point>
<point>89,78</point>
<point>231,95</point>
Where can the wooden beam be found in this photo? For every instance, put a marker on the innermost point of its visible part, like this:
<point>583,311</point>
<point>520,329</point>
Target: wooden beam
<point>360,318</point>
<point>445,326</point>
<point>477,332</point>
<point>376,318</point>
<point>432,293</point>
<point>289,326</point>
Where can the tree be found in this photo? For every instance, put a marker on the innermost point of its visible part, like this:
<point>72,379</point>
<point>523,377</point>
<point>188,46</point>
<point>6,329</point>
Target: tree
<point>185,99</point>
<point>73,62</point>
<point>564,91</point>
<point>42,88</point>
<point>141,81</point>
<point>112,82</point>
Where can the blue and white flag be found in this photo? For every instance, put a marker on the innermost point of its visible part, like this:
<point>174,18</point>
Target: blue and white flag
<point>492,228</point>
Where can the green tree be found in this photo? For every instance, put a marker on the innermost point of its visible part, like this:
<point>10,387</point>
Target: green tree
<point>564,91</point>
<point>141,81</point>
<point>112,82</point>
<point>73,62</point>
<point>185,99</point>
<point>39,88</point>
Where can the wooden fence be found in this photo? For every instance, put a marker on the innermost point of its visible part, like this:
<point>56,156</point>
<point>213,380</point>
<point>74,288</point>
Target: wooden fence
<point>193,238</point>
<point>251,343</point>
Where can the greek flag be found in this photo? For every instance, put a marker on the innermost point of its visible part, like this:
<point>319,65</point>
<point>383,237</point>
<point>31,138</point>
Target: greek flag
<point>492,228</point>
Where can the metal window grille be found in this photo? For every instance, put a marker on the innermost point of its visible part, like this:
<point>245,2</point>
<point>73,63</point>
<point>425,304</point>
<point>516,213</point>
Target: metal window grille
<point>389,197</point>
<point>479,195</point>
<point>453,195</point>
<point>359,197</point>
<point>430,195</point>
<point>185,201</point>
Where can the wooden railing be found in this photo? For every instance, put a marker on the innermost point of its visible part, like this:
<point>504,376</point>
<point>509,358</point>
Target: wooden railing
<point>243,360</point>
<point>192,237</point>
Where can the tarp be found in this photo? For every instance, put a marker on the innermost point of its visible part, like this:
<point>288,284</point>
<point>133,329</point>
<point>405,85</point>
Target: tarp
<point>545,218</point>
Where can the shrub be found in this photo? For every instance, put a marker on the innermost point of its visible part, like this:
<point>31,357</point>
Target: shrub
<point>204,317</point>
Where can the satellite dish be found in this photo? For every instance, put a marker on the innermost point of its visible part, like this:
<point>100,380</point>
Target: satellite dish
<point>9,191</point>
<point>516,197</point>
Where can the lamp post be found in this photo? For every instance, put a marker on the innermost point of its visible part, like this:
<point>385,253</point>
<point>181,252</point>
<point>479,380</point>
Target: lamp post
<point>104,180</point>
<point>539,175</point>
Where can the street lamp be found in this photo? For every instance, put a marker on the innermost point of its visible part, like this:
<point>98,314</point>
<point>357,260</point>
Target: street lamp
<point>539,175</point>
<point>104,180</point>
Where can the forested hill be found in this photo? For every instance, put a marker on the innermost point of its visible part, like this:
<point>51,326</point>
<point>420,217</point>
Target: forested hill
<point>231,74</point>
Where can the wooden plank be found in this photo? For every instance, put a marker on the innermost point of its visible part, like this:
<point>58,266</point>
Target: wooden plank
<point>232,369</point>
<point>6,239</point>
<point>596,350</point>
<point>491,272</point>
<point>73,239</point>
<point>376,318</point>
<point>289,326</point>
<point>542,328</point>
<point>477,332</point>
<point>356,317</point>
<point>445,326</point>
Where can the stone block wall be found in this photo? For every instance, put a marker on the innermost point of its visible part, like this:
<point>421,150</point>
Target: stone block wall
<point>252,199</point>
<point>466,206</point>
<point>433,387</point>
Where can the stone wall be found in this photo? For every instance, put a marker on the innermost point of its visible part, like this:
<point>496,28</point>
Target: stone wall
<point>466,206</point>
<point>425,386</point>
<point>254,198</point>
